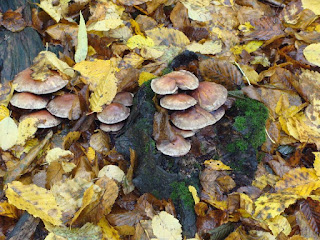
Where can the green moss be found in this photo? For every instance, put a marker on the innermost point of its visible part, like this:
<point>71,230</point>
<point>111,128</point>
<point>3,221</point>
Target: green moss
<point>250,123</point>
<point>181,193</point>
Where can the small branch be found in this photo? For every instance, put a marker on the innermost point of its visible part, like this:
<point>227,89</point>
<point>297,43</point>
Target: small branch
<point>242,72</point>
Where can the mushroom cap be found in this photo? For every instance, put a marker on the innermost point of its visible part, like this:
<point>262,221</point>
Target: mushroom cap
<point>183,133</point>
<point>114,113</point>
<point>25,83</point>
<point>176,148</point>
<point>125,98</point>
<point>186,80</point>
<point>218,114</point>
<point>27,100</point>
<point>193,118</point>
<point>180,101</point>
<point>164,85</point>
<point>61,106</point>
<point>46,120</point>
<point>111,127</point>
<point>210,95</point>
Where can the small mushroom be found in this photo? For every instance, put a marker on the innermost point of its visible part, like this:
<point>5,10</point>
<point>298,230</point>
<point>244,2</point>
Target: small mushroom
<point>180,101</point>
<point>114,113</point>
<point>27,100</point>
<point>176,148</point>
<point>186,80</point>
<point>192,118</point>
<point>164,85</point>
<point>111,127</point>
<point>65,106</point>
<point>125,98</point>
<point>183,133</point>
<point>25,83</point>
<point>46,120</point>
<point>210,95</point>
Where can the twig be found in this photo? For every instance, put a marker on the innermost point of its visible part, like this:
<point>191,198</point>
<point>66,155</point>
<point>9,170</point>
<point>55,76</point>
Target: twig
<point>242,72</point>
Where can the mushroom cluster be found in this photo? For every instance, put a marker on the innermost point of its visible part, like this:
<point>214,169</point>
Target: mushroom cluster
<point>113,115</point>
<point>30,96</point>
<point>193,105</point>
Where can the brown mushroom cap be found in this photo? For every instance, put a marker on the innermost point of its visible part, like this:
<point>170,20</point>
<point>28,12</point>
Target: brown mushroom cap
<point>125,98</point>
<point>64,105</point>
<point>178,147</point>
<point>218,114</point>
<point>28,101</point>
<point>183,133</point>
<point>193,118</point>
<point>25,83</point>
<point>210,95</point>
<point>186,80</point>
<point>164,85</point>
<point>111,127</point>
<point>46,120</point>
<point>180,101</point>
<point>113,113</point>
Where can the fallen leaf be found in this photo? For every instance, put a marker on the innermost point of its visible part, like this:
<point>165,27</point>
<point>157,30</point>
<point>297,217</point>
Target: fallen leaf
<point>165,226</point>
<point>313,5</point>
<point>112,172</point>
<point>82,47</point>
<point>9,133</point>
<point>138,41</point>
<point>216,165</point>
<point>27,128</point>
<point>37,201</point>
<point>279,224</point>
<point>311,53</point>
<point>208,47</point>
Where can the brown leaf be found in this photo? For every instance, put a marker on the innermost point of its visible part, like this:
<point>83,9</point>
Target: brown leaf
<point>305,229</point>
<point>311,210</point>
<point>221,72</point>
<point>162,130</point>
<point>13,20</point>
<point>179,16</point>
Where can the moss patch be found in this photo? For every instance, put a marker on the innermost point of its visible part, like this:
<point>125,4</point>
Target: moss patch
<point>250,123</point>
<point>181,193</point>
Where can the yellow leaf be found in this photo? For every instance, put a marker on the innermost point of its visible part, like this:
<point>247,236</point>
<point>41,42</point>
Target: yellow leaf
<point>279,224</point>
<point>113,172</point>
<point>52,236</point>
<point>252,75</point>
<point>27,128</point>
<point>144,77</point>
<point>70,138</point>
<point>271,205</point>
<point>299,181</point>
<point>208,47</point>
<point>197,10</point>
<point>313,5</point>
<point>91,154</point>
<point>37,201</point>
<point>194,193</point>
<point>6,92</point>
<point>138,41</point>
<point>312,53</point>
<point>9,133</point>
<point>27,147</point>
<point>67,166</point>
<point>4,112</point>
<point>217,165</point>
<point>47,61</point>
<point>249,47</point>
<point>8,210</point>
<point>91,71</point>
<point>149,53</point>
<point>246,27</point>
<point>262,181</point>
<point>54,11</point>
<point>168,36</point>
<point>131,60</point>
<point>56,154</point>
<point>108,231</point>
<point>105,25</point>
<point>82,48</point>
<point>316,164</point>
<point>246,205</point>
<point>136,27</point>
<point>104,93</point>
<point>165,226</point>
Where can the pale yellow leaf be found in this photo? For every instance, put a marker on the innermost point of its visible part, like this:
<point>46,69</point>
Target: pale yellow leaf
<point>208,47</point>
<point>312,53</point>
<point>53,11</point>
<point>313,5</point>
<point>165,226</point>
<point>105,25</point>
<point>82,48</point>
<point>37,201</point>
<point>52,236</point>
<point>104,93</point>
<point>316,164</point>
<point>251,74</point>
<point>150,53</point>
<point>144,77</point>
<point>108,231</point>
<point>8,210</point>
<point>113,172</point>
<point>138,41</point>
<point>27,128</point>
<point>56,154</point>
<point>197,10</point>
<point>9,133</point>
<point>279,224</point>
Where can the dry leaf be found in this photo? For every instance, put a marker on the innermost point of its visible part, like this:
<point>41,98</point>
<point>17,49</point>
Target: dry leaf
<point>165,226</point>
<point>82,47</point>
<point>9,133</point>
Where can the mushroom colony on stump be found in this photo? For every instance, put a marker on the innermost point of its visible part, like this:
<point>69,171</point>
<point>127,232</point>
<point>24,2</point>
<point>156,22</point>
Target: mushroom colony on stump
<point>32,94</point>
<point>193,105</point>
